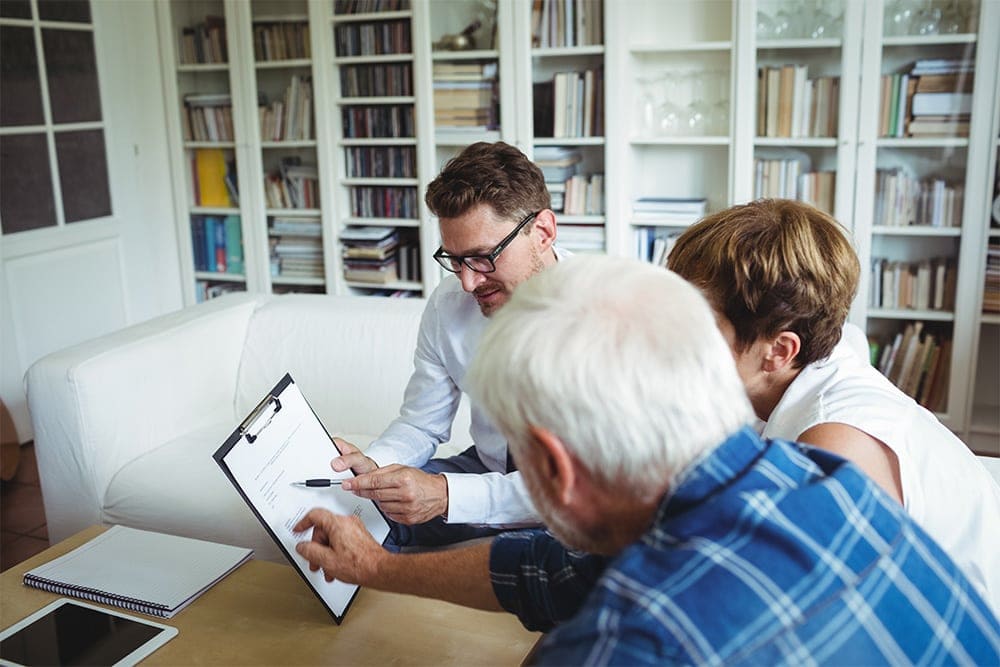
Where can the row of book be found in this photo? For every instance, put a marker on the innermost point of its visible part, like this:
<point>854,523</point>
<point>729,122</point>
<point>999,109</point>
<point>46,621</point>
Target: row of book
<point>275,39</point>
<point>208,117</point>
<point>932,98</point>
<point>381,161</point>
<point>369,6</point>
<point>217,243</point>
<point>374,201</point>
<point>556,23</point>
<point>927,284</point>
<point>991,287</point>
<point>790,104</point>
<point>204,42</point>
<point>791,179</point>
<point>902,200</point>
<point>581,194</point>
<point>369,80</point>
<point>290,117</point>
<point>570,105</point>
<point>668,211</point>
<point>394,120</point>
<point>213,179</point>
<point>466,95</point>
<point>919,363</point>
<point>653,244</point>
<point>292,185</point>
<point>372,39</point>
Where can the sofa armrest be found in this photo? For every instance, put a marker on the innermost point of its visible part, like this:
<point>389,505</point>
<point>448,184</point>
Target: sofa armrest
<point>100,404</point>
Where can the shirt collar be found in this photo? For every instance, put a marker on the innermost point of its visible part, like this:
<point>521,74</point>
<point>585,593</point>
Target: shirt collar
<point>711,473</point>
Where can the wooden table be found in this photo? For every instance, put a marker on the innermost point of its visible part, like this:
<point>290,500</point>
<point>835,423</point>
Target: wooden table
<point>264,614</point>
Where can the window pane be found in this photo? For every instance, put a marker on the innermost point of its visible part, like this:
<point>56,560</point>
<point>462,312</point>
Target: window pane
<point>20,87</point>
<point>72,72</point>
<point>15,9</point>
<point>77,11</point>
<point>26,183</point>
<point>83,175</point>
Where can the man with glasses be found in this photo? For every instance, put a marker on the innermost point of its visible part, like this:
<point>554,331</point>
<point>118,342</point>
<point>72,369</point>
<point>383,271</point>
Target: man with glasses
<point>497,230</point>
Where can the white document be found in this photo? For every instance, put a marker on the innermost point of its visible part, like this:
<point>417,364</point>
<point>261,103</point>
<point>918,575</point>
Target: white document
<point>282,442</point>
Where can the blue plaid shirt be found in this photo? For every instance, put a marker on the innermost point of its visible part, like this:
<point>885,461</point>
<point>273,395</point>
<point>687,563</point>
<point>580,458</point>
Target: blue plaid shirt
<point>765,553</point>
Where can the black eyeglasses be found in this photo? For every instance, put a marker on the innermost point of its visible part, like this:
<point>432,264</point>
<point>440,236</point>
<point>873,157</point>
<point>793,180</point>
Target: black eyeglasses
<point>480,263</point>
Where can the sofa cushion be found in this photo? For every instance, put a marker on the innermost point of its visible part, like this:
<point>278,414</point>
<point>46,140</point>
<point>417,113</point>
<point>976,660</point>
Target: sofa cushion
<point>178,488</point>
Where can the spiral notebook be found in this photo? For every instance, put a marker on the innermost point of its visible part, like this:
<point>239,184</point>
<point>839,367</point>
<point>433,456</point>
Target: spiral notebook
<point>151,573</point>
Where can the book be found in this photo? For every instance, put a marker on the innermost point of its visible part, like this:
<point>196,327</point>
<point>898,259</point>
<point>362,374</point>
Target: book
<point>941,104</point>
<point>139,570</point>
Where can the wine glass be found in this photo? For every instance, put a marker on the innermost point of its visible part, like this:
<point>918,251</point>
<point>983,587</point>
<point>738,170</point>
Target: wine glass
<point>669,114</point>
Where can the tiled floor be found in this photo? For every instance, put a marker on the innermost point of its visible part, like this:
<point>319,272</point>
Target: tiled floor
<point>22,517</point>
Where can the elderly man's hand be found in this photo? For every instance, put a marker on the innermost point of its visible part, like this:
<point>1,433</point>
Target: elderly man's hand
<point>406,495</point>
<point>341,546</point>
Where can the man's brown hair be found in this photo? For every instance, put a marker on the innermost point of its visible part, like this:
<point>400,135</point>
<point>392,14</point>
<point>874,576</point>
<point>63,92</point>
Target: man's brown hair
<point>497,174</point>
<point>773,265</point>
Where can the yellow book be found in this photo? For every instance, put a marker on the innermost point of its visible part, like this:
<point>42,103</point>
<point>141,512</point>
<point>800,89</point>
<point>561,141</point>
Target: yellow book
<point>210,164</point>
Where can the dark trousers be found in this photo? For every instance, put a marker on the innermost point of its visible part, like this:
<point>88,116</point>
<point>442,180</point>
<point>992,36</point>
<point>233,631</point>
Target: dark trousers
<point>436,532</point>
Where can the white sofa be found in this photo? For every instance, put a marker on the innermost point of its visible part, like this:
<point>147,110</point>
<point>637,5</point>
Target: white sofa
<point>126,424</point>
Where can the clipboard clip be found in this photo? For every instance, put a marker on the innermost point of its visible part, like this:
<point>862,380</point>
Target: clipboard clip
<point>256,415</point>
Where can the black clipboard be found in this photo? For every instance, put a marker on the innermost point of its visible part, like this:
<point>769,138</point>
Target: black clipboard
<point>282,440</point>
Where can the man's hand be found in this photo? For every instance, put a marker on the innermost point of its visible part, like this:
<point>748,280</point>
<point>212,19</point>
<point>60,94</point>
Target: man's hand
<point>341,546</point>
<point>406,495</point>
<point>351,457</point>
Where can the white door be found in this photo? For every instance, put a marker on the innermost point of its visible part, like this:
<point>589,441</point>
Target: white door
<point>88,245</point>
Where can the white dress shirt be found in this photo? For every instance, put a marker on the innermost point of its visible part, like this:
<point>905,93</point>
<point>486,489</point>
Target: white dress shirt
<point>450,329</point>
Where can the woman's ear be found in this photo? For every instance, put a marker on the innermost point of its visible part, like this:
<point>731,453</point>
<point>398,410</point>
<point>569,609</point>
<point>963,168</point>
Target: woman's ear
<point>782,352</point>
<point>556,470</point>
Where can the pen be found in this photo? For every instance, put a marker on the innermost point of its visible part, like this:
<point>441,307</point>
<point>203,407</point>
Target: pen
<point>319,482</point>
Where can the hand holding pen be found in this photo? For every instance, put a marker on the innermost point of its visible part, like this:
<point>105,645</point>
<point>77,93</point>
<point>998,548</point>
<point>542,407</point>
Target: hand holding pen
<point>318,483</point>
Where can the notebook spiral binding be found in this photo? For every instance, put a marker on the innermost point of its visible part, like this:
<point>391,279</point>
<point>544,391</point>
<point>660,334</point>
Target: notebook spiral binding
<point>132,604</point>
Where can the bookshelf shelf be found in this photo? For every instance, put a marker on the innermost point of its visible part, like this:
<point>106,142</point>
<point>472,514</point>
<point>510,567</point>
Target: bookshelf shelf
<point>379,181</point>
<point>382,222</point>
<point>224,277</point>
<point>198,68</point>
<point>797,142</point>
<point>568,141</point>
<point>799,44</point>
<point>372,16</point>
<point>930,40</point>
<point>685,47</point>
<point>480,54</point>
<point>681,141</point>
<point>282,64</point>
<point>282,280</point>
<point>288,143</point>
<point>568,51</point>
<point>210,144</point>
<point>293,212</point>
<point>214,210</point>
<point>374,60</point>
<point>925,142</point>
<point>462,139</point>
<point>916,230</point>
<point>379,141</point>
<point>408,285</point>
<point>371,101</point>
<point>892,314</point>
<point>992,319</point>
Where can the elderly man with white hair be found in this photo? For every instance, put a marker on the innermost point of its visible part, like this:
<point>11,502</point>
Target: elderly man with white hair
<point>626,415</point>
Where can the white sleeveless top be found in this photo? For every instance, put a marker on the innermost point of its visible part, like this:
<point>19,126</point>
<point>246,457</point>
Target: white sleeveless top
<point>949,493</point>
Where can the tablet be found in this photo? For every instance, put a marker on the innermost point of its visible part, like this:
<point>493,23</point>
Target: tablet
<point>68,632</point>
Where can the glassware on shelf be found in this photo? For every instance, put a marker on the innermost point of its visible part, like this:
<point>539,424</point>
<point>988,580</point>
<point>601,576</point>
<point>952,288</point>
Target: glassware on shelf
<point>648,109</point>
<point>899,17</point>
<point>669,114</point>
<point>698,112</point>
<point>719,115</point>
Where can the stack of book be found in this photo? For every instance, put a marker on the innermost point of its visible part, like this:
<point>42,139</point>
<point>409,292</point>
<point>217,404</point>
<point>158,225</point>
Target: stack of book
<point>942,98</point>
<point>217,244</point>
<point>932,98</point>
<point>288,118</point>
<point>927,284</point>
<point>296,246</point>
<point>583,194</point>
<point>668,211</point>
<point>901,200</point>
<point>293,185</point>
<point>570,105</point>
<point>204,42</point>
<point>919,363</point>
<point>558,165</point>
<point>280,38</point>
<point>465,96</point>
<point>208,117</point>
<point>991,290</point>
<point>789,104</point>
<point>582,238</point>
<point>369,254</point>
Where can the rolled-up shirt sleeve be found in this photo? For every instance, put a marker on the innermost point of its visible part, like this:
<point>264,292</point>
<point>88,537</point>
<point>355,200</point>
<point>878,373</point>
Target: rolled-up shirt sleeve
<point>538,579</point>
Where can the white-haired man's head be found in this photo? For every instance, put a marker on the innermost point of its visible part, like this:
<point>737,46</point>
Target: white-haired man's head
<point>622,362</point>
